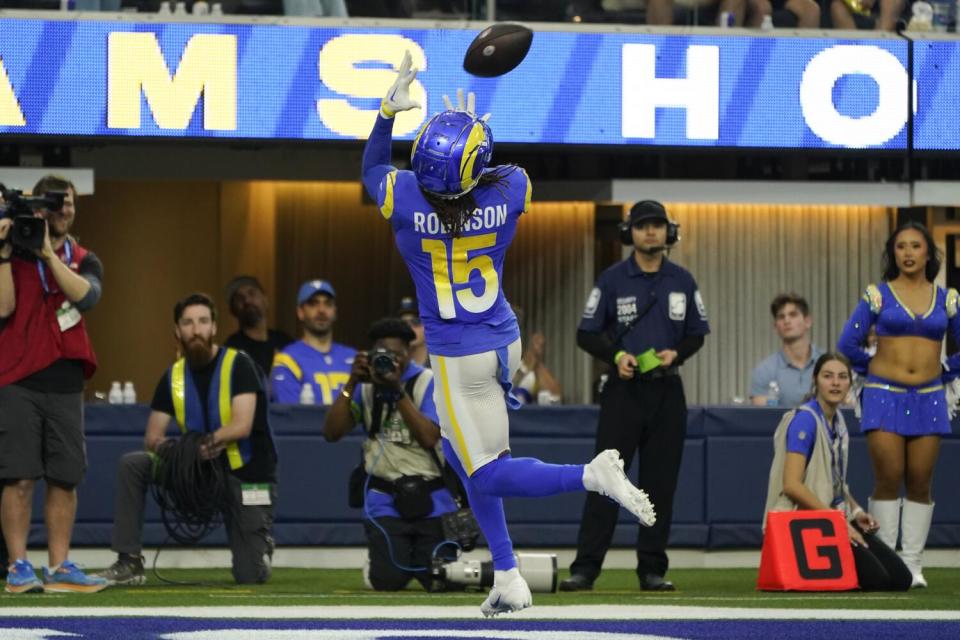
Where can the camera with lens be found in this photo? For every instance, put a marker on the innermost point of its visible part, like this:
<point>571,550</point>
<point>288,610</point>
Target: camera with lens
<point>538,569</point>
<point>28,230</point>
<point>383,362</point>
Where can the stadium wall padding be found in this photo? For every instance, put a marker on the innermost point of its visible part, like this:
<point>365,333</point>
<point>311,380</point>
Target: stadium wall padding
<point>719,501</point>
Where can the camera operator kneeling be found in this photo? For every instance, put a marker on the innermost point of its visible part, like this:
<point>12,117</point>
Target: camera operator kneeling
<point>404,494</point>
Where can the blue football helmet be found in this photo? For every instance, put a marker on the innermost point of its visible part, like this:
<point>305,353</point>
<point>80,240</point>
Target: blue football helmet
<point>450,152</point>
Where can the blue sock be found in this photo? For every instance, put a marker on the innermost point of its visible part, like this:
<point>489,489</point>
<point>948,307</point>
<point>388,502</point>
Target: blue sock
<point>508,477</point>
<point>488,510</point>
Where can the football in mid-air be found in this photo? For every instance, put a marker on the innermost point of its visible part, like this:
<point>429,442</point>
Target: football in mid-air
<point>497,49</point>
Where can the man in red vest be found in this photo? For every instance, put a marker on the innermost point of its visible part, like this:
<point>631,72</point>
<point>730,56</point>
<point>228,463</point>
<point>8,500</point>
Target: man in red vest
<point>45,356</point>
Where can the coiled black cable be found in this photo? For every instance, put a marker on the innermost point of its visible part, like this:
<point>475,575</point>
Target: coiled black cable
<point>192,492</point>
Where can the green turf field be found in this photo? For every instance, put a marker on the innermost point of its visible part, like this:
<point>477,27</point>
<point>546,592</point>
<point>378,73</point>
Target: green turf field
<point>697,587</point>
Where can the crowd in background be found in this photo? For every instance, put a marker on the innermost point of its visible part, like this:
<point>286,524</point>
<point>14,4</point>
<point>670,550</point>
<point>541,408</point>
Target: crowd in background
<point>881,15</point>
<point>315,368</point>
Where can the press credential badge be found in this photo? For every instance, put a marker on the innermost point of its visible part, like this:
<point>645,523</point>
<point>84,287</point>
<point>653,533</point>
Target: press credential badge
<point>67,316</point>
<point>255,495</point>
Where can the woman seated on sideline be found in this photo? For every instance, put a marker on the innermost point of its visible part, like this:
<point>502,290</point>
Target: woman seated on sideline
<point>810,472</point>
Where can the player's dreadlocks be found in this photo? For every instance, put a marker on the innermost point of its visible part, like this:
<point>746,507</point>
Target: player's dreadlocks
<point>455,213</point>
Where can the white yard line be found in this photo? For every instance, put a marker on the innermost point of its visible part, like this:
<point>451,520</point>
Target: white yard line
<point>570,612</point>
<point>354,557</point>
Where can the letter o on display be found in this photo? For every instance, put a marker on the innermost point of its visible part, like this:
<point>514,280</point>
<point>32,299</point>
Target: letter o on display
<point>816,95</point>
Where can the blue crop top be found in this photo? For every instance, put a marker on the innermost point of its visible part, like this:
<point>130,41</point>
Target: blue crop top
<point>880,306</point>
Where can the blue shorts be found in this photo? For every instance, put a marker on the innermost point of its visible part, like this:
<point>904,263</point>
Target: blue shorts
<point>907,411</point>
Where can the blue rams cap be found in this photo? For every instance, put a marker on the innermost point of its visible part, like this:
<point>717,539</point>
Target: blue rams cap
<point>312,288</point>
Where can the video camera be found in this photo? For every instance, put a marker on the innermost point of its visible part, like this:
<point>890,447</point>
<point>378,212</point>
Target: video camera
<point>538,569</point>
<point>28,230</point>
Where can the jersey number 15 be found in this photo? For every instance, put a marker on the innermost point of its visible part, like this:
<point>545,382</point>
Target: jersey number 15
<point>452,267</point>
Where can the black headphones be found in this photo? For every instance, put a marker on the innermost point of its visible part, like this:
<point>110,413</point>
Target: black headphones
<point>646,210</point>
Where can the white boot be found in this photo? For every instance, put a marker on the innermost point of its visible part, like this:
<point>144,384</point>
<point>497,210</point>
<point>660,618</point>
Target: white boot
<point>887,515</point>
<point>916,526</point>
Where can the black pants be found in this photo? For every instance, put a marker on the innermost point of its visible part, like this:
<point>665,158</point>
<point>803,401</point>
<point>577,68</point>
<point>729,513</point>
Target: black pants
<point>249,528</point>
<point>412,543</point>
<point>649,418</point>
<point>879,568</point>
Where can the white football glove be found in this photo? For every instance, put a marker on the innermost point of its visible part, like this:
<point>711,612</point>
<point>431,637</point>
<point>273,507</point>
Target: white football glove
<point>469,107</point>
<point>398,97</point>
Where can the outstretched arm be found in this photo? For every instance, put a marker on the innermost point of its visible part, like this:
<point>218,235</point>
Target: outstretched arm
<point>376,153</point>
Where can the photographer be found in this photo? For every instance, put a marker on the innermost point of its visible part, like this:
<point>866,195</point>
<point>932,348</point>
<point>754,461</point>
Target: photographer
<point>405,493</point>
<point>215,396</point>
<point>45,356</point>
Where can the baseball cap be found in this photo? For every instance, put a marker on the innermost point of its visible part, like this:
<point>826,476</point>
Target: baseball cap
<point>647,210</point>
<point>313,287</point>
<point>408,305</point>
<point>240,281</point>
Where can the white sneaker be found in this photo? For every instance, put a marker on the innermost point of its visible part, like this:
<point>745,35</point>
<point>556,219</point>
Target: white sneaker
<point>604,474</point>
<point>509,593</point>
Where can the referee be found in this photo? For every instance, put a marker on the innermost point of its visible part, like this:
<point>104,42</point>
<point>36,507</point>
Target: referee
<point>645,315</point>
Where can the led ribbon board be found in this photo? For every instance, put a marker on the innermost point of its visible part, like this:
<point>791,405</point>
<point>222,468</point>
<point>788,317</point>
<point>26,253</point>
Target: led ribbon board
<point>937,120</point>
<point>265,81</point>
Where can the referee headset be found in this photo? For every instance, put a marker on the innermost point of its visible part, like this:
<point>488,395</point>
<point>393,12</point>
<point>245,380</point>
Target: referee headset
<point>649,210</point>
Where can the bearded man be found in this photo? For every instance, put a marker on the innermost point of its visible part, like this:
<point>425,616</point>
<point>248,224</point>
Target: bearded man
<point>217,391</point>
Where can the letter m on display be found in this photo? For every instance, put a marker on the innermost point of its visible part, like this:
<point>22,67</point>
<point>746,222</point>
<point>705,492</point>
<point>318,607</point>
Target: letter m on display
<point>207,67</point>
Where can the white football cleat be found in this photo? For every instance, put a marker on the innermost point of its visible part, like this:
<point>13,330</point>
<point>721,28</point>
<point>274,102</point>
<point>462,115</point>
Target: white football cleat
<point>509,593</point>
<point>604,474</point>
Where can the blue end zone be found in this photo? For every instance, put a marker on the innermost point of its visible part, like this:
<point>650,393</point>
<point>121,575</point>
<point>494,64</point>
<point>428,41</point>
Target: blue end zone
<point>203,629</point>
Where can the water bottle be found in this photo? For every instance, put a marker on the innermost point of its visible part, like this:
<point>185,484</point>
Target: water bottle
<point>201,8</point>
<point>767,23</point>
<point>180,9</point>
<point>921,18</point>
<point>129,393</point>
<point>773,394</point>
<point>116,393</point>
<point>306,394</point>
<point>216,9</point>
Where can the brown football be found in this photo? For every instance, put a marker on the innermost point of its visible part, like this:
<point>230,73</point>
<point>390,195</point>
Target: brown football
<point>497,49</point>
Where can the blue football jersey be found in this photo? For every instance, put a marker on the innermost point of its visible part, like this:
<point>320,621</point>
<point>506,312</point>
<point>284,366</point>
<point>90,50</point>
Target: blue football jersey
<point>459,281</point>
<point>299,363</point>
